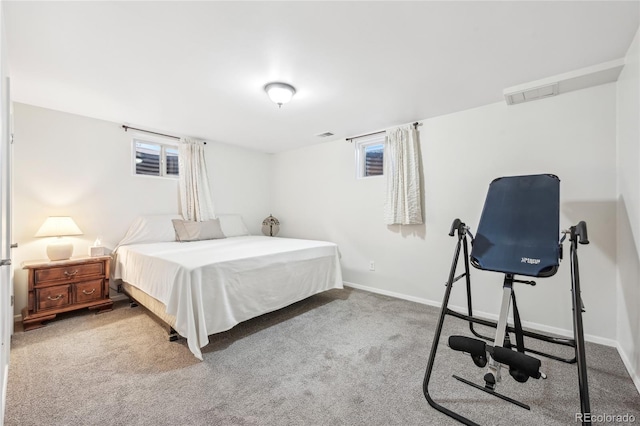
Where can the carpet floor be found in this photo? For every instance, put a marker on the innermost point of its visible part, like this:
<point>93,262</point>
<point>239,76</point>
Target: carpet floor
<point>344,357</point>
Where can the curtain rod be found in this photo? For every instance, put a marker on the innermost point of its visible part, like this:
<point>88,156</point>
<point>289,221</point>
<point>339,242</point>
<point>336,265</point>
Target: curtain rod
<point>415,126</point>
<point>125,127</point>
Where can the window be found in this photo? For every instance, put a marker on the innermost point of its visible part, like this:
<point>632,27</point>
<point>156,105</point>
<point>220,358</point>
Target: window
<point>155,159</point>
<point>370,156</point>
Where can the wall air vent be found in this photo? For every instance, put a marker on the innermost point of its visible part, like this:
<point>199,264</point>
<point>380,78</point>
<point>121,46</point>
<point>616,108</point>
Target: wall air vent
<point>531,94</point>
<point>324,135</point>
<point>594,75</point>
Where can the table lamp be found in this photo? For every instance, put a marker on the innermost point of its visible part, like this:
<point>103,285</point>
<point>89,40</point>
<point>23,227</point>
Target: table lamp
<point>59,226</point>
<point>270,226</point>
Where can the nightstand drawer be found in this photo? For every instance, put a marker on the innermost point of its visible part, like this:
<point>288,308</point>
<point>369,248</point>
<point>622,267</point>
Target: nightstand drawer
<point>53,297</point>
<point>70,272</point>
<point>88,291</point>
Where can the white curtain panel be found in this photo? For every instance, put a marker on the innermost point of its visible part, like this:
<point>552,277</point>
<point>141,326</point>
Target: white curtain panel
<point>402,172</point>
<point>195,196</point>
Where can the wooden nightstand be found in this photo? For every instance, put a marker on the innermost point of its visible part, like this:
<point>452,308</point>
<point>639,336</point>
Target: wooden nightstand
<point>65,285</point>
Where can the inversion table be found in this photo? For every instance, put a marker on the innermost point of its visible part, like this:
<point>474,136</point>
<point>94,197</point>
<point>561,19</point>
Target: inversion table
<point>518,234</point>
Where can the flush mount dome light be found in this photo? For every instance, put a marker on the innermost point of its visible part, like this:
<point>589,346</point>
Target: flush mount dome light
<point>280,93</point>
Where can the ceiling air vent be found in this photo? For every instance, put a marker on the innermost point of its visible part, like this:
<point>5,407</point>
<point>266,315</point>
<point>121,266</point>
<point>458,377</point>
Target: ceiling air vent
<point>324,135</point>
<point>531,94</point>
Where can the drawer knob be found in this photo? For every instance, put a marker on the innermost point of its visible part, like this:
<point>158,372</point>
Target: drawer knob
<point>89,292</point>
<point>58,297</point>
<point>70,274</point>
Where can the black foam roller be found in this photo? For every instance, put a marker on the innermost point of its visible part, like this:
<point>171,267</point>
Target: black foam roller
<point>525,363</point>
<point>468,345</point>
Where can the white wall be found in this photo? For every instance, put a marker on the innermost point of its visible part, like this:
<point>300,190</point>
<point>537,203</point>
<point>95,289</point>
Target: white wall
<point>628,284</point>
<point>67,164</point>
<point>572,136</point>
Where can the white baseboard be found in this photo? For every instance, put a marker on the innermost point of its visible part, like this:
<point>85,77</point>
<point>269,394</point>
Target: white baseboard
<point>531,325</point>
<point>635,376</point>
<point>393,294</point>
<point>4,393</point>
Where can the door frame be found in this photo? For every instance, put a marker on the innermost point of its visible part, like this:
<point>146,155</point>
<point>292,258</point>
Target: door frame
<point>6,271</point>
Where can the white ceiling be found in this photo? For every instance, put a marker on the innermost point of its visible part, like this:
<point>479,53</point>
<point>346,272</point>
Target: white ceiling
<point>199,68</point>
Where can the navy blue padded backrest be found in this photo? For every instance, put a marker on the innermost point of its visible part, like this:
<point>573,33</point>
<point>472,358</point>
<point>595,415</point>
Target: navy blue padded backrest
<point>520,226</point>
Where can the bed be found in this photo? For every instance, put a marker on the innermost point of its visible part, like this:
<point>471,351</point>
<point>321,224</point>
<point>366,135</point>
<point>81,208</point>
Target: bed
<point>208,286</point>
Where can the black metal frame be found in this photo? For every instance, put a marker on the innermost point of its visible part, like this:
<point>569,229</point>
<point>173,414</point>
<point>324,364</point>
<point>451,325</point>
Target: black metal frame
<point>577,234</point>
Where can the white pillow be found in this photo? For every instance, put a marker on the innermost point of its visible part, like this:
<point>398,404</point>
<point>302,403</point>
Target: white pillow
<point>151,229</point>
<point>232,225</point>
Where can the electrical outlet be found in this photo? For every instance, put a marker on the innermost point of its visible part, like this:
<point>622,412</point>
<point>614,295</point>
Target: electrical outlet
<point>372,265</point>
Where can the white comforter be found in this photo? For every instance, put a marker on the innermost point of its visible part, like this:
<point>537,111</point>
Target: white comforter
<point>210,286</point>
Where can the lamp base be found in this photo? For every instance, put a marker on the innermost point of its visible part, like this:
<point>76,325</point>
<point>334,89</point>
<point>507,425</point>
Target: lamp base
<point>59,250</point>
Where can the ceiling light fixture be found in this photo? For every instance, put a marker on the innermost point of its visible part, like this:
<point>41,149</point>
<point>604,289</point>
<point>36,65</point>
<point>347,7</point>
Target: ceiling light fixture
<point>280,93</point>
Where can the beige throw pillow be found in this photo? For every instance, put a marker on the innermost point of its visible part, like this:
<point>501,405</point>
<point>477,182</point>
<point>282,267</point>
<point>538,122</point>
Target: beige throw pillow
<point>196,231</point>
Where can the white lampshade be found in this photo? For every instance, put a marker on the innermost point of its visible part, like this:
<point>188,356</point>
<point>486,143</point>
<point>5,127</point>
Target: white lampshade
<point>59,226</point>
<point>280,93</point>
